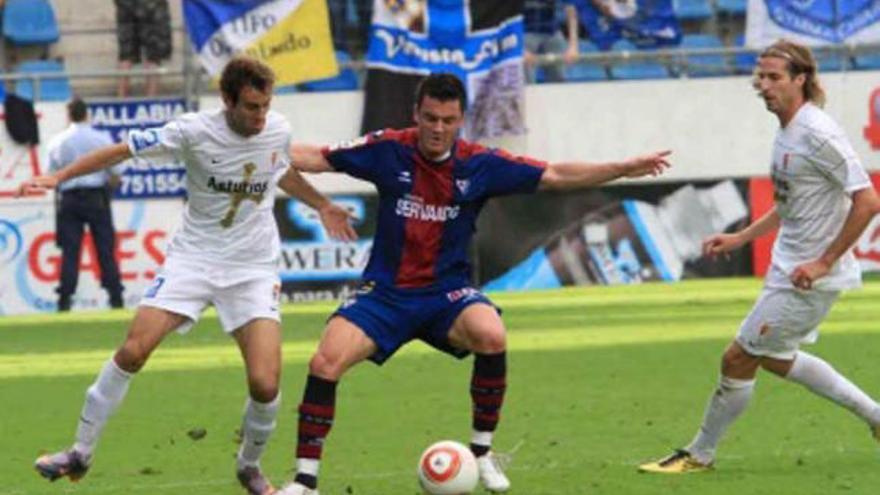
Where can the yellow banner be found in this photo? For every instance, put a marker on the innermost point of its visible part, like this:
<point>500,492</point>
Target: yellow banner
<point>299,47</point>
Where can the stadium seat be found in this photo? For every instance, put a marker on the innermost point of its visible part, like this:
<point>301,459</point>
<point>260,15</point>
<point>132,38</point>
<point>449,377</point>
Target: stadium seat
<point>692,10</point>
<point>704,65</point>
<point>744,63</point>
<point>55,88</point>
<point>640,69</point>
<point>346,80</point>
<point>29,22</point>
<point>732,7</point>
<point>585,71</point>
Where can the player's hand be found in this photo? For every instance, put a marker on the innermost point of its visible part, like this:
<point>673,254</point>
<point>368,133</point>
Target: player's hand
<point>717,244</point>
<point>805,275</point>
<point>38,184</point>
<point>337,222</point>
<point>650,164</point>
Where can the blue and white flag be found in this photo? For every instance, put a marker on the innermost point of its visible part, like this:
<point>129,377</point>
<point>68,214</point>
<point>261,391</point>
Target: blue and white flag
<point>479,41</point>
<point>291,36</point>
<point>646,23</point>
<point>812,22</point>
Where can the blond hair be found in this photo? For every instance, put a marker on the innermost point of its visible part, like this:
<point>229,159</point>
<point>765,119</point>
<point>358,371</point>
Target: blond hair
<point>799,60</point>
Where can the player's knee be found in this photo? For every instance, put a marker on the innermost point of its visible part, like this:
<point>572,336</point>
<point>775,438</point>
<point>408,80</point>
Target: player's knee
<point>488,340</point>
<point>325,366</point>
<point>131,356</point>
<point>263,391</point>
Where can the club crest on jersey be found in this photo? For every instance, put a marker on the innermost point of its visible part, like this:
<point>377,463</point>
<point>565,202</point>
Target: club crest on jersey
<point>463,185</point>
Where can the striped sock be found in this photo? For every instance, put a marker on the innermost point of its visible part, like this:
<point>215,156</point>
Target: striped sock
<point>315,420</point>
<point>488,384</point>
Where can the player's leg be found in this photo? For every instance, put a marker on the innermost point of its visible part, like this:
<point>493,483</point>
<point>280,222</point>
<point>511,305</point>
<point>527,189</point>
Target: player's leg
<point>806,312</point>
<point>149,327</point>
<point>728,401</point>
<point>260,344</point>
<point>343,345</point>
<point>818,376</point>
<point>479,329</point>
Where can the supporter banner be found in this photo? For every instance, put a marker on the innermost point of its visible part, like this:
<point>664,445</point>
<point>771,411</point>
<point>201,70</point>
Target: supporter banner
<point>30,261</point>
<point>647,23</point>
<point>616,235</point>
<point>811,22</point>
<point>291,36</point>
<point>142,178</point>
<point>866,249</point>
<point>313,266</point>
<point>481,42</point>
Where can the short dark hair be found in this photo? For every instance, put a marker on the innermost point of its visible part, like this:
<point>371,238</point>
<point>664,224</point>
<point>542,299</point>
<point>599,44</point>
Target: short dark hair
<point>244,71</point>
<point>442,86</point>
<point>77,110</point>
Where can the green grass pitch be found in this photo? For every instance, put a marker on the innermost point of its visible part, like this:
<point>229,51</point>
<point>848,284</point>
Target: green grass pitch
<point>600,379</point>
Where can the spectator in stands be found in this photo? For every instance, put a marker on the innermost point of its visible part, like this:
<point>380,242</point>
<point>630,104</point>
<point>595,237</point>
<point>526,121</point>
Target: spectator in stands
<point>83,201</point>
<point>543,36</point>
<point>143,27</point>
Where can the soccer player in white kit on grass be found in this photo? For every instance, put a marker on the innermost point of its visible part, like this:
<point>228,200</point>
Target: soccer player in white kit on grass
<point>225,253</point>
<point>823,202</point>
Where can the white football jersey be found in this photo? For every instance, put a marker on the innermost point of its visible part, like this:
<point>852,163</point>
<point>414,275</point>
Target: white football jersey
<point>814,172</point>
<point>230,183</point>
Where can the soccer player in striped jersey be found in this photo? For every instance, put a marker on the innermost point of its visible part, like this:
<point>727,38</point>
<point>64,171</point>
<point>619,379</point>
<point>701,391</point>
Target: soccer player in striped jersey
<point>417,283</point>
<point>823,202</point>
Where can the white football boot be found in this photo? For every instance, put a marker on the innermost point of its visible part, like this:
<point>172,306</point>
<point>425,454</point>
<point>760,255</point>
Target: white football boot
<point>491,475</point>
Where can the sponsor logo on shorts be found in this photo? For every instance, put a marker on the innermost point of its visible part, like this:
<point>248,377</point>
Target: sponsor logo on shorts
<point>462,294</point>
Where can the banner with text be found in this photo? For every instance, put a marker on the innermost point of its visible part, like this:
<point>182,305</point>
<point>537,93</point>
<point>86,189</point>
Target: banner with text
<point>291,36</point>
<point>811,22</point>
<point>30,260</point>
<point>142,178</point>
<point>480,42</point>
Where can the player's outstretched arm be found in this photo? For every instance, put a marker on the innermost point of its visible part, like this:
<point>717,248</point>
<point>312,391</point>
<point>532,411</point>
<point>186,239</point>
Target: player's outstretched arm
<point>865,204</point>
<point>335,219</point>
<point>308,158</point>
<point>96,160</point>
<point>577,175</point>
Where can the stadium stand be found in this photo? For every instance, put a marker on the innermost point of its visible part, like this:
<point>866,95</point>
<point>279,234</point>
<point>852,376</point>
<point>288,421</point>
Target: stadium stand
<point>585,71</point>
<point>707,65</point>
<point>636,69</point>
<point>53,88</point>
<point>692,10</point>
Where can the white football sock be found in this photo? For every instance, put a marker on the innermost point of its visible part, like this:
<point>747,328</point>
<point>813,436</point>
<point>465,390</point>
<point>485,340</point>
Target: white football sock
<point>822,379</point>
<point>727,403</point>
<point>102,399</point>
<point>482,438</point>
<point>257,425</point>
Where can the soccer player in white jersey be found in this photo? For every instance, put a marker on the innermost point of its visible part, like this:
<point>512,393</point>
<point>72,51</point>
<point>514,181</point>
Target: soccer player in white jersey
<point>225,254</point>
<point>823,202</point>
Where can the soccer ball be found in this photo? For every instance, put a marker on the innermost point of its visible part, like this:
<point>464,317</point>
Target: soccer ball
<point>448,468</point>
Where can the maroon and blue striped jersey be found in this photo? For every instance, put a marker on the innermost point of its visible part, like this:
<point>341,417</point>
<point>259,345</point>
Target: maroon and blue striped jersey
<point>428,210</point>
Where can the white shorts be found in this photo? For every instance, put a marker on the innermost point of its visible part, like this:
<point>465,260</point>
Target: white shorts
<point>239,293</point>
<point>783,319</point>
